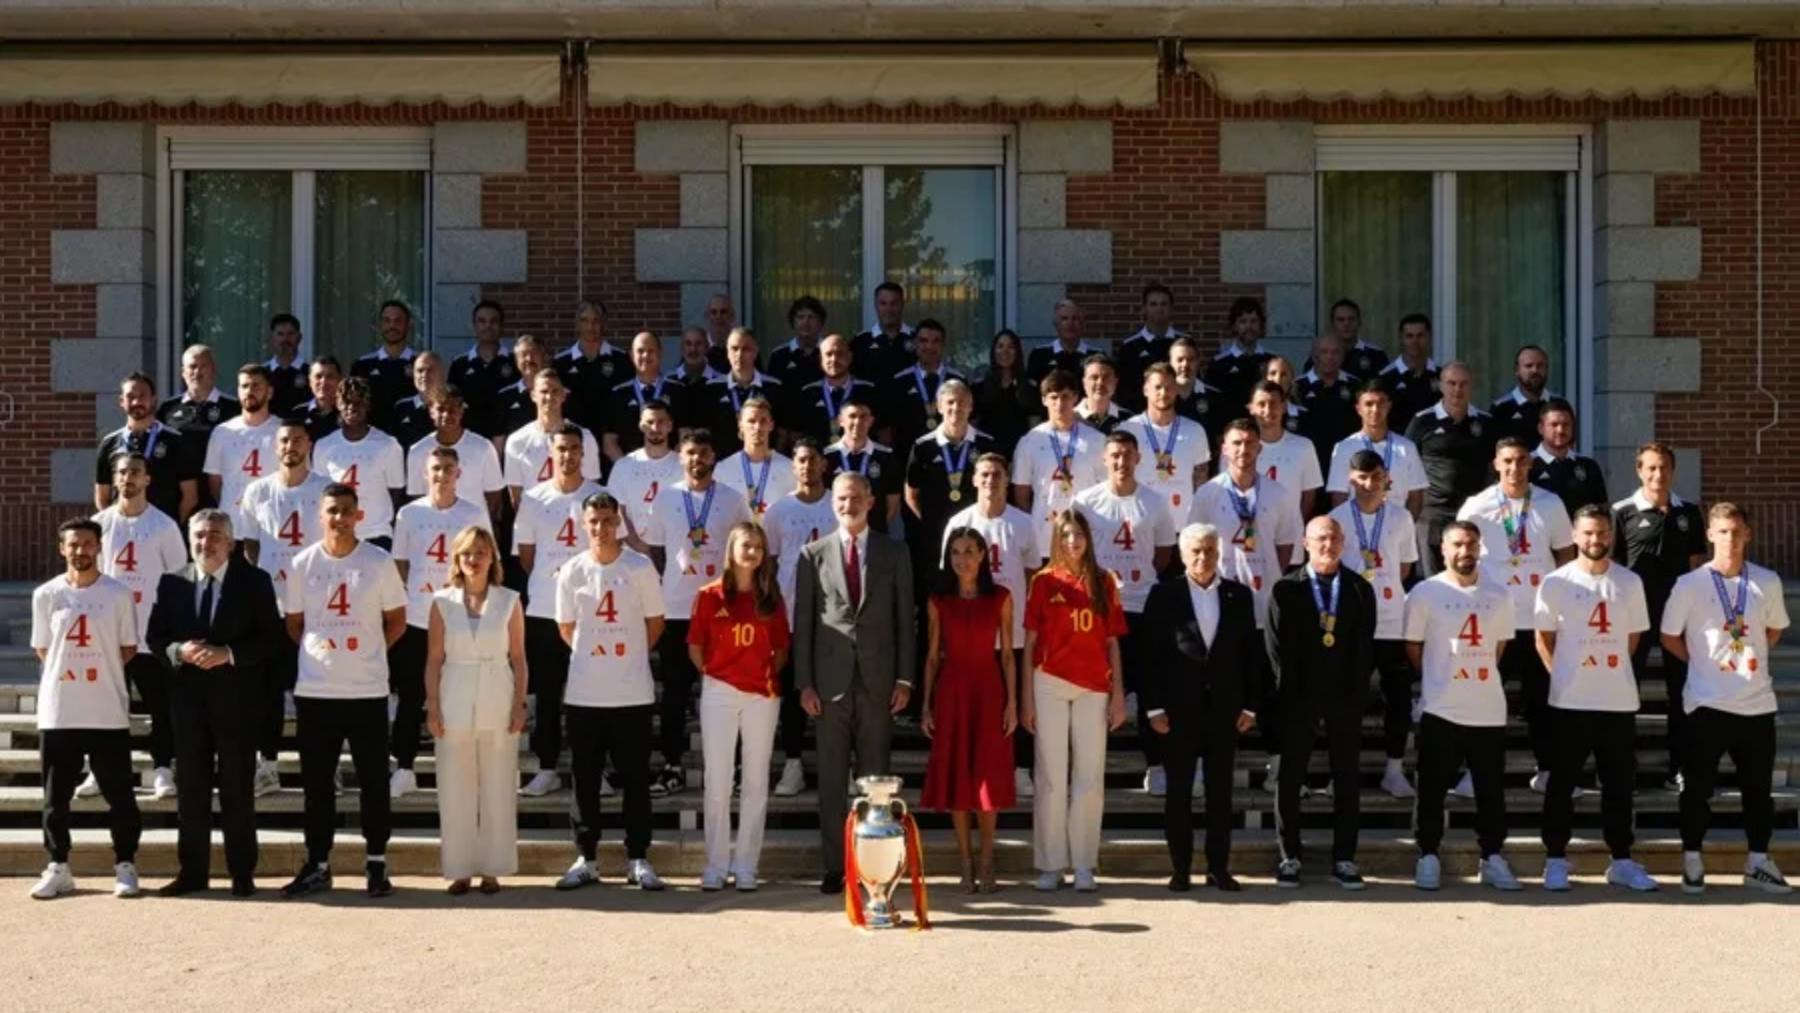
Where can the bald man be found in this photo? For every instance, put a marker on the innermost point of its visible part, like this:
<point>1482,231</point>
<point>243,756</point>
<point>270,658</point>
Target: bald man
<point>1456,447</point>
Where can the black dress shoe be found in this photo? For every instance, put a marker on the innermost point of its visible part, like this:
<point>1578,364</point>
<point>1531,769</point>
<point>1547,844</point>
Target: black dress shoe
<point>376,877</point>
<point>179,887</point>
<point>1223,881</point>
<point>310,879</point>
<point>243,887</point>
<point>832,884</point>
<point>1180,883</point>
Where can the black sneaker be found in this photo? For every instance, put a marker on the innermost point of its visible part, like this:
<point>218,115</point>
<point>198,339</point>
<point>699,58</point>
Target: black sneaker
<point>375,873</point>
<point>670,781</point>
<point>310,879</point>
<point>1287,874</point>
<point>1347,875</point>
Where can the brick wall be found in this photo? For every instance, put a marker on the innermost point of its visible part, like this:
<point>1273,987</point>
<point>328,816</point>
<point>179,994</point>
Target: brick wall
<point>1165,202</point>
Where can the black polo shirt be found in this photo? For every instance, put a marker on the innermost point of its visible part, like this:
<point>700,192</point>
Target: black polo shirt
<point>1658,545</point>
<point>1136,354</point>
<point>809,415</point>
<point>410,419</point>
<point>686,393</point>
<point>717,358</point>
<point>1105,421</point>
<point>716,406</point>
<point>1577,480</point>
<point>1007,413</point>
<point>1411,391</point>
<point>909,401</point>
<point>625,404</point>
<point>390,381</point>
<point>196,419</point>
<point>876,357</point>
<point>879,464</point>
<point>1331,408</point>
<point>1044,359</point>
<point>1234,371</point>
<point>513,408</point>
<point>481,381</point>
<point>1458,457</point>
<point>1207,405</point>
<point>172,459</point>
<point>1364,360</point>
<point>590,382</point>
<point>796,367</point>
<point>1518,415</point>
<point>319,422</point>
<point>288,387</point>
<point>925,472</point>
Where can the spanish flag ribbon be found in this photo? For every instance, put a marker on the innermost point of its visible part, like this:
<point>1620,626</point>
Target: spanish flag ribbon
<point>854,906</point>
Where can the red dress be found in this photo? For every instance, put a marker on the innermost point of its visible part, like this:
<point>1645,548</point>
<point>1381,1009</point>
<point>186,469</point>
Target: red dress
<point>971,765</point>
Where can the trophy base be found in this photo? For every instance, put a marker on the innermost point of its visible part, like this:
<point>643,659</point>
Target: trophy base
<point>879,919</point>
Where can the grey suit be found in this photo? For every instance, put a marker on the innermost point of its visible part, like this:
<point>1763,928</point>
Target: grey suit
<point>853,658</point>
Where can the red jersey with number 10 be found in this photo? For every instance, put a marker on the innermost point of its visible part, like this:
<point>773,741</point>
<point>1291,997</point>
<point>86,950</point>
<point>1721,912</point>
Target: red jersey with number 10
<point>737,643</point>
<point>1071,635</point>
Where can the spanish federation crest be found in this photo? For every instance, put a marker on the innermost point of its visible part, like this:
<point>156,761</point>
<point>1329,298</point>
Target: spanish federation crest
<point>1364,363</point>
<point>1293,425</point>
<point>300,380</point>
<point>506,370</point>
<point>1434,385</point>
<point>1200,405</point>
<point>161,451</point>
<point>874,470</point>
<point>212,413</point>
<point>1580,473</point>
<point>606,367</point>
<point>910,346</point>
<point>1346,393</point>
<point>1474,427</point>
<point>1681,522</point>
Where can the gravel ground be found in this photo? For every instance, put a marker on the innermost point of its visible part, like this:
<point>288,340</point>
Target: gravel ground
<point>1132,946</point>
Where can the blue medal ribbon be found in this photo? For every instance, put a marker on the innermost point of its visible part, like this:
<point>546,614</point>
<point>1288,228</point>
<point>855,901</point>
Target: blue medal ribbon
<point>655,395</point>
<point>1371,547</point>
<point>1734,614</point>
<point>697,521</point>
<point>1245,508</point>
<point>757,488</point>
<point>1165,459</point>
<point>1327,611</point>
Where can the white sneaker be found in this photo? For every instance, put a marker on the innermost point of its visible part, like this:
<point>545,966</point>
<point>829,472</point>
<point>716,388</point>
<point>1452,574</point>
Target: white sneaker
<point>1048,882</point>
<point>606,786</point>
<point>267,780</point>
<point>1630,875</point>
<point>746,882</point>
<point>1394,782</point>
<point>1085,881</point>
<point>792,781</point>
<point>56,881</point>
<point>712,880</point>
<point>1023,786</point>
<point>1324,792</point>
<point>1495,872</point>
<point>542,783</point>
<point>580,874</point>
<point>1556,875</point>
<point>1693,873</point>
<point>125,880</point>
<point>640,874</point>
<point>1766,877</point>
<point>88,788</point>
<point>402,784</point>
<point>1465,788</point>
<point>1428,874</point>
<point>162,783</point>
<point>1156,781</point>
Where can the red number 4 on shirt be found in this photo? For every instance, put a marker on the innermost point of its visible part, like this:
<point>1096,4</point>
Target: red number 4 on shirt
<point>1599,621</point>
<point>339,600</point>
<point>1471,631</point>
<point>1123,539</point>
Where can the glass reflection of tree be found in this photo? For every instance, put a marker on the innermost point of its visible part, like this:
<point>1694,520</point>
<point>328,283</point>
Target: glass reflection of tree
<point>235,257</point>
<point>370,249</point>
<point>807,239</point>
<point>959,295</point>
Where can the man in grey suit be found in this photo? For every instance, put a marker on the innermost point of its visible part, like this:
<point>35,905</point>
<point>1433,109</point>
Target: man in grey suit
<point>853,653</point>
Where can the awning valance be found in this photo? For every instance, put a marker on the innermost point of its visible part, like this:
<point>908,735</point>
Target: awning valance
<point>1645,70</point>
<point>214,78</point>
<point>1092,77</point>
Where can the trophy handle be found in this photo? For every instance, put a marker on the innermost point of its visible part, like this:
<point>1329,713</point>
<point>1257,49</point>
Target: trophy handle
<point>897,807</point>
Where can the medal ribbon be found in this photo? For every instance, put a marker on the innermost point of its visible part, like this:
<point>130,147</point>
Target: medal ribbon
<point>1174,434</point>
<point>150,437</point>
<point>655,395</point>
<point>697,522</point>
<point>1518,533</point>
<point>1065,457</point>
<point>1371,547</point>
<point>844,455</point>
<point>1387,455</point>
<point>760,486</point>
<point>925,398</point>
<point>831,410</point>
<point>1245,508</point>
<point>1327,611</point>
<point>1734,614</point>
<point>954,465</point>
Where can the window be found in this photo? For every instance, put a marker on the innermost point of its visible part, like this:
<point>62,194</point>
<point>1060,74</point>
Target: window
<point>834,214</point>
<point>324,227</point>
<point>1480,232</point>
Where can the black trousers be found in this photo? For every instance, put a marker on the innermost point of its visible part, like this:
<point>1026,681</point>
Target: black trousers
<point>406,679</point>
<point>792,721</point>
<point>1444,748</point>
<point>1521,663</point>
<point>383,542</point>
<point>107,752</point>
<point>1135,659</point>
<point>547,664</point>
<point>1397,681</point>
<point>1674,679</point>
<point>1611,738</point>
<point>678,677</point>
<point>621,734</point>
<point>1430,532</point>
<point>1750,741</point>
<point>150,674</point>
<point>215,720</point>
<point>1212,739</point>
<point>324,726</point>
<point>1025,743</point>
<point>1302,716</point>
<point>278,677</point>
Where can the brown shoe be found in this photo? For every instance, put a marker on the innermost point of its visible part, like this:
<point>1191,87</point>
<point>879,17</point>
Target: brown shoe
<point>490,885</point>
<point>459,887</point>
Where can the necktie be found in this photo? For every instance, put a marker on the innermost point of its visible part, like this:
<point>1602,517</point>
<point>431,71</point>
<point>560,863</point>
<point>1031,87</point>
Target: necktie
<point>853,576</point>
<point>206,605</point>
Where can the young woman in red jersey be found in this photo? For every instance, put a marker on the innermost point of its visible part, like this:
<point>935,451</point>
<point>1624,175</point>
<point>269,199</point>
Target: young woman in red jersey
<point>1074,694</point>
<point>738,640</point>
<point>971,701</point>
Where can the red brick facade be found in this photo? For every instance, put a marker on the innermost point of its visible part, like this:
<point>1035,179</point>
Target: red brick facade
<point>1165,203</point>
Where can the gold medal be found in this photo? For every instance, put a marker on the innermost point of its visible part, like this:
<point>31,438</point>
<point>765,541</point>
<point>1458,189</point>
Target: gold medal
<point>1369,575</point>
<point>1165,463</point>
<point>1328,640</point>
<point>697,536</point>
<point>956,495</point>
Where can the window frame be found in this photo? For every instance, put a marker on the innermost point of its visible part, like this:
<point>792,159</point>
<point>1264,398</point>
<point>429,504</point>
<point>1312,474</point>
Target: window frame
<point>874,146</point>
<point>303,152</point>
<point>1443,150</point>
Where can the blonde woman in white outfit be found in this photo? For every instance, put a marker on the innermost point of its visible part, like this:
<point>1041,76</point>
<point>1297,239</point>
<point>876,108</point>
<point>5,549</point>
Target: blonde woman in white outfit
<point>475,704</point>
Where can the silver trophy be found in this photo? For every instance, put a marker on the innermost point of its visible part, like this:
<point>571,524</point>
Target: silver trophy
<point>879,840</point>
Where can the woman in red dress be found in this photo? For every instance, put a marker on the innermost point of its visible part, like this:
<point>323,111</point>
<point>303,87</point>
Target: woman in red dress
<point>971,701</point>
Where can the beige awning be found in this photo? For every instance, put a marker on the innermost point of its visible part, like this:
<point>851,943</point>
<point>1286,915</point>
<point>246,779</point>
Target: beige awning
<point>805,75</point>
<point>1645,70</point>
<point>215,78</point>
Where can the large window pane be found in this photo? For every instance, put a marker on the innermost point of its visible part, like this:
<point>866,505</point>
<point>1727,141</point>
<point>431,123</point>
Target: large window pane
<point>369,246</point>
<point>236,257</point>
<point>1376,230</point>
<point>1510,263</point>
<point>940,246</point>
<point>806,238</point>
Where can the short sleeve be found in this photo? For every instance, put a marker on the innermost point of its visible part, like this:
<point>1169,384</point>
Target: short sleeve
<point>1418,613</point>
<point>1309,470</point>
<point>652,530</point>
<point>294,593</point>
<point>40,620</point>
<point>1675,612</point>
<point>1034,607</point>
<point>392,466</point>
<point>510,467</point>
<point>393,589</point>
<point>1637,610</point>
<point>1544,607</point>
<point>1467,510</point>
<point>124,617</point>
<point>1163,524</point>
<point>1412,472</point>
<point>215,450</point>
<point>1023,472</point>
<point>565,594</point>
<point>525,524</point>
<point>1288,527</point>
<point>590,457</point>
<point>1556,518</point>
<point>1776,608</point>
<point>1031,554</point>
<point>740,510</point>
<point>174,551</point>
<point>1505,618</point>
<point>415,472</point>
<point>1338,480</point>
<point>490,468</point>
<point>402,548</point>
<point>700,627</point>
<point>1115,617</point>
<point>649,591</point>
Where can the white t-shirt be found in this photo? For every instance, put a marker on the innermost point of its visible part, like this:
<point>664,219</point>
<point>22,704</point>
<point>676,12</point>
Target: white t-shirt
<point>1546,529</point>
<point>550,522</point>
<point>1734,682</point>
<point>480,467</point>
<point>239,454</point>
<point>1461,629</point>
<point>1593,617</point>
<point>282,522</point>
<point>1015,548</point>
<point>1187,455</point>
<point>689,567</point>
<point>374,466</point>
<point>744,475</point>
<point>1251,561</point>
<point>343,653</point>
<point>609,663</point>
<point>1405,473</point>
<point>1397,545</point>
<point>137,551</point>
<point>790,525</point>
<point>1294,462</point>
<point>423,536</point>
<point>83,630</point>
<point>1127,532</point>
<point>1035,464</point>
<point>528,458</point>
<point>637,481</point>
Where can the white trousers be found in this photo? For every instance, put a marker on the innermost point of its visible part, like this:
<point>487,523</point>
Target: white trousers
<point>1071,774</point>
<point>726,713</point>
<point>477,790</point>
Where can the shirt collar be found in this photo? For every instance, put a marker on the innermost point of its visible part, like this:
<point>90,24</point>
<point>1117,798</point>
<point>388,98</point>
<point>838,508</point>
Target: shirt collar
<point>273,364</point>
<point>1232,350</point>
<point>1144,334</point>
<point>406,353</point>
<point>1441,412</point>
<point>1546,456</point>
<point>574,351</point>
<point>707,375</point>
<point>862,538</point>
<point>1642,502</point>
<point>1195,588</point>
<point>218,575</point>
<point>878,334</point>
<point>1398,365</point>
<point>470,353</point>
<point>212,397</point>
